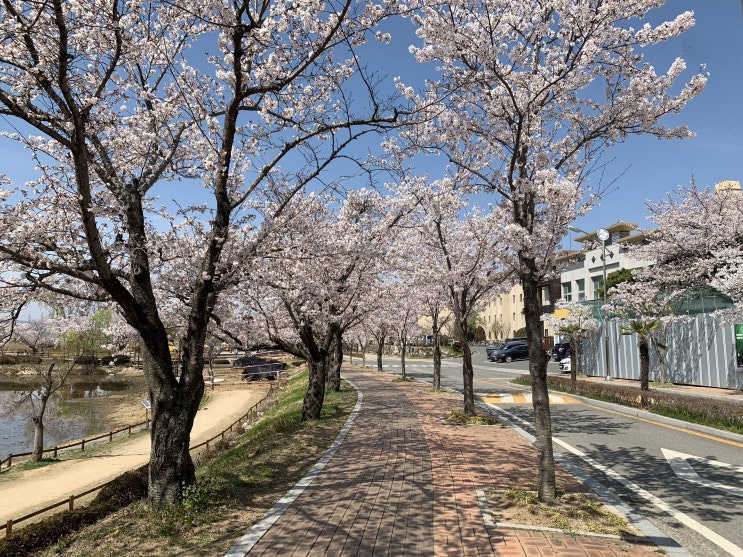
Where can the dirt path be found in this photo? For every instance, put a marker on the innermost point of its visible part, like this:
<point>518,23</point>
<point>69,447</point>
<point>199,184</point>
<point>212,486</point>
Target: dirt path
<point>35,489</point>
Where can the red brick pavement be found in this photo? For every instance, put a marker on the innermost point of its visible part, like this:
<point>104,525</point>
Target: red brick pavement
<point>404,483</point>
<point>470,458</point>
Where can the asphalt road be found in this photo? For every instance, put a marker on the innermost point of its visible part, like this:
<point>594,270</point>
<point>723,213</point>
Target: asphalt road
<point>687,481</point>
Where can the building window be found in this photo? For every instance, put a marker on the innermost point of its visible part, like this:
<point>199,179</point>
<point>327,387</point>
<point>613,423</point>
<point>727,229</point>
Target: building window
<point>546,296</point>
<point>597,281</point>
<point>567,291</point>
<point>513,298</point>
<point>581,289</point>
<point>514,317</point>
<point>521,297</point>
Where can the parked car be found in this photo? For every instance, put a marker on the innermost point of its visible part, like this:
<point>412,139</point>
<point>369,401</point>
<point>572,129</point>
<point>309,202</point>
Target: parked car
<point>565,365</point>
<point>491,350</point>
<point>511,351</point>
<point>255,367</point>
<point>560,351</point>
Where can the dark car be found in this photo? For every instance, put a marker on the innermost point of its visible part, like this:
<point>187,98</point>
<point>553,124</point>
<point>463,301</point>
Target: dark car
<point>491,350</point>
<point>511,351</point>
<point>560,351</point>
<point>255,367</point>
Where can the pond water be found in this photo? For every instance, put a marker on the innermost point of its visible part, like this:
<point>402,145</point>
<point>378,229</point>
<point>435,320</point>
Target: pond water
<point>61,423</point>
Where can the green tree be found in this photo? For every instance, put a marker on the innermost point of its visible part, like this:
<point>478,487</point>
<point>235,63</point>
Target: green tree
<point>613,279</point>
<point>90,340</point>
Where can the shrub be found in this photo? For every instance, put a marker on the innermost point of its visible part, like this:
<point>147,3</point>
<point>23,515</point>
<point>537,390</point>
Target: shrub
<point>722,414</point>
<point>122,491</point>
<point>8,360</point>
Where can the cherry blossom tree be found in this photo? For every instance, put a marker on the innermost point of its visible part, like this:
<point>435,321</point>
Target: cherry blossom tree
<point>209,104</point>
<point>696,243</point>
<point>378,323</point>
<point>47,380</point>
<point>456,245</point>
<point>404,308</point>
<point>434,307</point>
<point>50,377</point>
<point>530,94</point>
<point>644,329</point>
<point>315,281</point>
<point>35,334</point>
<point>358,337</point>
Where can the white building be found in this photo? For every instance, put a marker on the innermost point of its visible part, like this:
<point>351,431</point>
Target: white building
<point>582,279</point>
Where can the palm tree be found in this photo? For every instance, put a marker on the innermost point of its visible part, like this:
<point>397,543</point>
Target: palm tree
<point>645,330</point>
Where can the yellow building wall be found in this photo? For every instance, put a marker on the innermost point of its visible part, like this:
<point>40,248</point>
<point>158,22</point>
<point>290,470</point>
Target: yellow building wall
<point>504,315</point>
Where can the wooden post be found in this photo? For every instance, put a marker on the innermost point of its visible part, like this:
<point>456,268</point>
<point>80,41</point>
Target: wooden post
<point>72,503</point>
<point>82,444</point>
<point>9,528</point>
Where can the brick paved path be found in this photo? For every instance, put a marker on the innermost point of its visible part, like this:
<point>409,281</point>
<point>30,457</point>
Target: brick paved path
<point>404,483</point>
<point>374,497</point>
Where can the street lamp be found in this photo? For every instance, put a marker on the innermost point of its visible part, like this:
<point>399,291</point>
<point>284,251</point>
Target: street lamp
<point>603,236</point>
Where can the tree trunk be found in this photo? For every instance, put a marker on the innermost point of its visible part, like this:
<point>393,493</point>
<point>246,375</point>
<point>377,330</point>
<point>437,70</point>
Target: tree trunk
<point>363,347</point>
<point>336,361</point>
<point>174,407</point>
<point>468,379</point>
<point>313,400</point>
<point>547,490</point>
<point>644,363</point>
<point>380,353</point>
<point>436,361</point>
<point>644,370</point>
<point>403,349</point>
<point>38,421</point>
<point>573,360</point>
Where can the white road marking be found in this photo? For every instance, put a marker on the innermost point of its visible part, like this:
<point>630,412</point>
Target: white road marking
<point>679,463</point>
<point>685,519</point>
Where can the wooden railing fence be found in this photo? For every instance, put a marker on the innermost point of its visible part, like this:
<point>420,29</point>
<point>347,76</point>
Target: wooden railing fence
<point>251,415</point>
<point>8,462</point>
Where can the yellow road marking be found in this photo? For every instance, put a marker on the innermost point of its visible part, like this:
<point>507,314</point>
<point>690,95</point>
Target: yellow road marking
<point>524,398</point>
<point>667,426</point>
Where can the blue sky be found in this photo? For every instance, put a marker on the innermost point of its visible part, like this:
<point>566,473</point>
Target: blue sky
<point>652,167</point>
<point>645,168</point>
<point>642,168</point>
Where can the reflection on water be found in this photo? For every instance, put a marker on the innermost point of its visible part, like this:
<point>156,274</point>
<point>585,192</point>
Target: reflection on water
<point>61,423</point>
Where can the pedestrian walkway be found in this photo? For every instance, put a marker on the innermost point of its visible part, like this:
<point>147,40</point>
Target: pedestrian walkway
<point>404,483</point>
